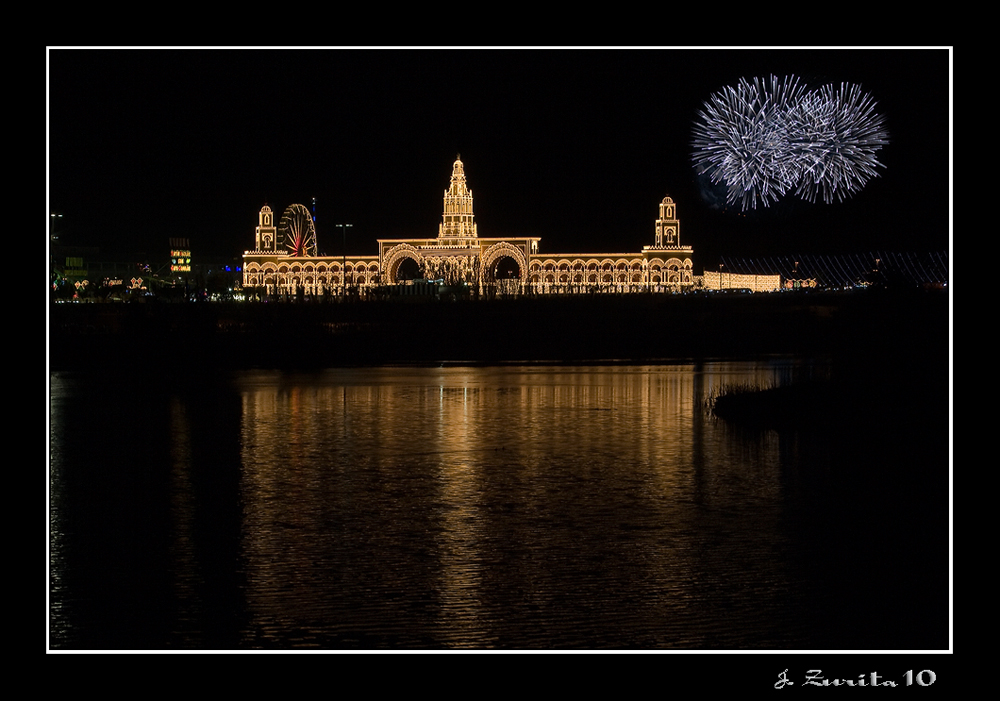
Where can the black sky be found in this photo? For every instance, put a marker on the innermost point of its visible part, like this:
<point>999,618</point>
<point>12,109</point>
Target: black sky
<point>577,146</point>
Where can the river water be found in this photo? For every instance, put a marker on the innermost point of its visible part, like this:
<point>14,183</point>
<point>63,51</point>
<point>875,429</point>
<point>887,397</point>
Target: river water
<point>512,508</point>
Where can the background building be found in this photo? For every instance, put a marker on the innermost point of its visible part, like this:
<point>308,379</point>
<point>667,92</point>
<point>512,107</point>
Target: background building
<point>731,280</point>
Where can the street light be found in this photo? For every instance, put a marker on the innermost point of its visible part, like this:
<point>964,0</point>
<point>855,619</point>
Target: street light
<point>52,225</point>
<point>343,271</point>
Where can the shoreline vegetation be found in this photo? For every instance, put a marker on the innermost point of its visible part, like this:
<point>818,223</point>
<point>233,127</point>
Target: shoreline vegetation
<point>858,400</point>
<point>889,375</point>
<point>799,405</point>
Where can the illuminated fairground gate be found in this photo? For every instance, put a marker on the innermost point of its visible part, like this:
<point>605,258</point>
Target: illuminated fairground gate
<point>284,260</point>
<point>514,265</point>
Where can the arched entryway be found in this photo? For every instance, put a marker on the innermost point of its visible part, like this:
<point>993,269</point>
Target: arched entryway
<point>402,262</point>
<point>505,268</point>
<point>504,261</point>
<point>407,269</point>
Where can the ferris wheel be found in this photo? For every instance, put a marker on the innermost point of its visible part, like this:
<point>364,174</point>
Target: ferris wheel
<point>297,231</point>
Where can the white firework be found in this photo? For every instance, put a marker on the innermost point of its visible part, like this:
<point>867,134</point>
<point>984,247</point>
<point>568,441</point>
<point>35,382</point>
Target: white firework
<point>742,140</point>
<point>765,139</point>
<point>835,135</point>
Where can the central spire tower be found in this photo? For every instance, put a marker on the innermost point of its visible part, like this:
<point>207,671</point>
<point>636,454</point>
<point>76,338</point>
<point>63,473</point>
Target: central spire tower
<point>458,223</point>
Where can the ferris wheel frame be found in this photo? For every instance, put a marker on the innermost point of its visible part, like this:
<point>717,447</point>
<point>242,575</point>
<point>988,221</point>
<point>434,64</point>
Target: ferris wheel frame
<point>297,232</point>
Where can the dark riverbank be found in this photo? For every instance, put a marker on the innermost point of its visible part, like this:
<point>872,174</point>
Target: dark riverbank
<point>912,324</point>
<point>889,371</point>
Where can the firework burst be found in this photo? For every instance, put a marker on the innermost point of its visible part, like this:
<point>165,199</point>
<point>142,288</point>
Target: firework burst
<point>764,139</point>
<point>741,140</point>
<point>835,135</point>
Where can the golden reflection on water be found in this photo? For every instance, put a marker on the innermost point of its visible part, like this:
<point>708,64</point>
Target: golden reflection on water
<point>512,507</point>
<point>427,495</point>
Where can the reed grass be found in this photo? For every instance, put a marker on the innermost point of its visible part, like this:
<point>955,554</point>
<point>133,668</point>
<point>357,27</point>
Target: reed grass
<point>794,405</point>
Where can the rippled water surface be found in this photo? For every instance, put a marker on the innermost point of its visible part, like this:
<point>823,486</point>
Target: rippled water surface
<point>473,507</point>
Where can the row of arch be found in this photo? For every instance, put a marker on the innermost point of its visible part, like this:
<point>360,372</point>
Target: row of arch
<point>310,268</point>
<point>548,272</point>
<point>607,263</point>
<point>671,271</point>
<point>312,277</point>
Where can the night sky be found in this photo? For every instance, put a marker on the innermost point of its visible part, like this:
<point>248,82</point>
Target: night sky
<point>577,146</point>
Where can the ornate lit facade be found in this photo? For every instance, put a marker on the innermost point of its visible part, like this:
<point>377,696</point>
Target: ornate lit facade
<point>284,260</point>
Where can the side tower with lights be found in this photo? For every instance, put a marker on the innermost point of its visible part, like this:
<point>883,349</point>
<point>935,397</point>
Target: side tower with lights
<point>267,233</point>
<point>668,262</point>
<point>668,229</point>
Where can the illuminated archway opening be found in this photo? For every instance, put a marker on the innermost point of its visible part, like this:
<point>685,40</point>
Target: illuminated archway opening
<point>408,269</point>
<point>505,268</point>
